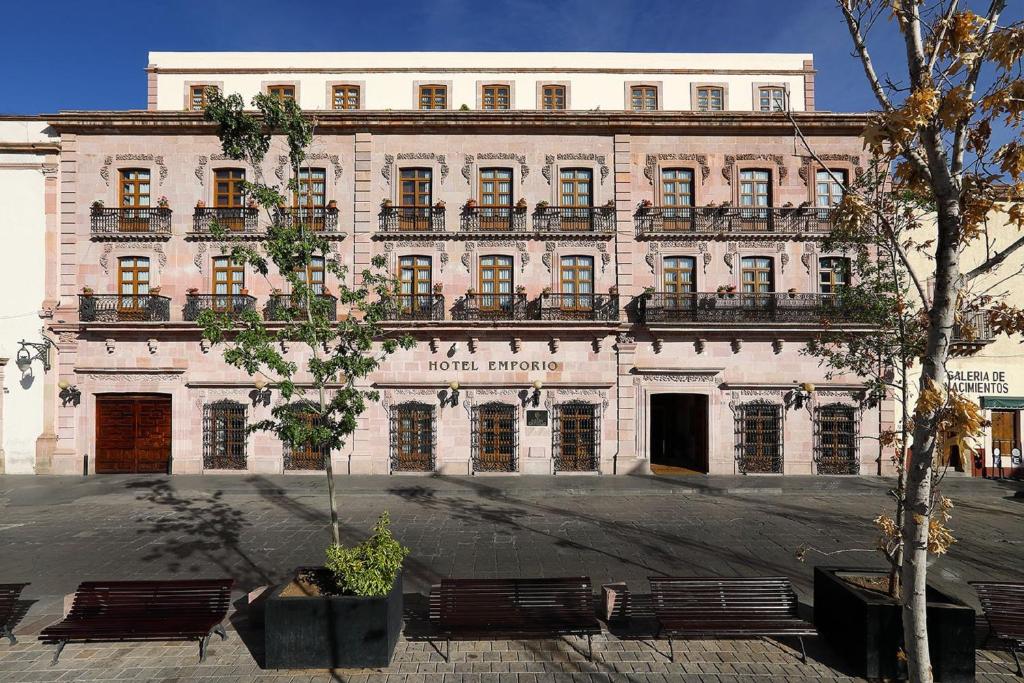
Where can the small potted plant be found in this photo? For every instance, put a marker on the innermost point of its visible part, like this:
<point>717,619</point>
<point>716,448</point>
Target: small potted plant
<point>87,291</point>
<point>97,206</point>
<point>521,290</point>
<point>546,290</point>
<point>648,292</point>
<point>470,203</point>
<point>252,203</point>
<point>275,292</point>
<point>805,204</point>
<point>332,205</point>
<point>609,205</point>
<point>386,204</point>
<point>792,292</point>
<point>521,204</point>
<point>542,204</point>
<point>243,291</point>
<point>192,291</point>
<point>155,291</point>
<point>326,293</point>
<point>471,291</point>
<point>439,205</point>
<point>644,206</point>
<point>200,204</point>
<point>613,290</point>
<point>438,288</point>
<point>163,203</point>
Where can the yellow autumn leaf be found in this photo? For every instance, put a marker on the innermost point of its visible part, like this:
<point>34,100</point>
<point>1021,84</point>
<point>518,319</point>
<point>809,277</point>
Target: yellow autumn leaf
<point>956,106</point>
<point>932,398</point>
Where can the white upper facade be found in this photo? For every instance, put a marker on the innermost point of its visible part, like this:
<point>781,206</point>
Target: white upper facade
<point>579,81</point>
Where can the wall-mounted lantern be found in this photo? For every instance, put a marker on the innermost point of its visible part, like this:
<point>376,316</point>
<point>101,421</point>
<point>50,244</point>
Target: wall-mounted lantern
<point>537,386</point>
<point>32,351</point>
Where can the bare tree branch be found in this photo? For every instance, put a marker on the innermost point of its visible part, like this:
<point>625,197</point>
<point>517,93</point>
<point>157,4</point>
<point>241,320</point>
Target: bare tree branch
<point>994,260</point>
<point>853,24</point>
<point>941,37</point>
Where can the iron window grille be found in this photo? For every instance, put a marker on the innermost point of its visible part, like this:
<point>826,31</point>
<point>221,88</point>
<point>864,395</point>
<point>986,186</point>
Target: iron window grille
<point>576,436</point>
<point>495,437</point>
<point>836,438</point>
<point>413,437</point>
<point>759,438</point>
<point>224,436</point>
<point>307,456</point>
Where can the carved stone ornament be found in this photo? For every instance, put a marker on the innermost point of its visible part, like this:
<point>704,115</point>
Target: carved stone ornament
<point>158,159</point>
<point>467,256</point>
<point>623,338</point>
<point>469,160</point>
<point>199,259</point>
<point>852,159</point>
<point>134,247</point>
<point>807,258</point>
<point>653,249</point>
<point>549,249</point>
<point>713,377</point>
<point>731,159</point>
<point>203,160</point>
<point>335,161</point>
<point>123,376</point>
<point>732,252</point>
<point>550,159</point>
<point>389,162</point>
<point>67,337</point>
<point>706,257</point>
<point>653,159</point>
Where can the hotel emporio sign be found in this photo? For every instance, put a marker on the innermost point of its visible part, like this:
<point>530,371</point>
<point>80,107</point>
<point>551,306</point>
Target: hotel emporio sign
<point>494,366</point>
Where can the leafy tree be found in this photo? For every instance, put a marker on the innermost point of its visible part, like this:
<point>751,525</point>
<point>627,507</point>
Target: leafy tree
<point>318,381</point>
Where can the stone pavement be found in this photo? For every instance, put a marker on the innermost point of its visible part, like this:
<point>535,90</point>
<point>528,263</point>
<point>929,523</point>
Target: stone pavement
<point>56,532</point>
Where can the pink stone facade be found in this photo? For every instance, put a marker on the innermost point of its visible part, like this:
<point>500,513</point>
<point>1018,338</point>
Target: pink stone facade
<point>619,364</point>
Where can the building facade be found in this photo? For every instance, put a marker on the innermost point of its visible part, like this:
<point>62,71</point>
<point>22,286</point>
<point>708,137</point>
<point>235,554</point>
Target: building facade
<point>610,263</point>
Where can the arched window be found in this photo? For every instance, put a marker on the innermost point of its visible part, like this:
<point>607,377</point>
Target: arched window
<point>836,435</point>
<point>224,436</point>
<point>413,437</point>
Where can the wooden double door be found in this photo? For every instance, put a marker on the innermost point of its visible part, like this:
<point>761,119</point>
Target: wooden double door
<point>133,433</point>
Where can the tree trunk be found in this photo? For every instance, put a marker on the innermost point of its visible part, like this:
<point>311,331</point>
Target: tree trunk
<point>918,507</point>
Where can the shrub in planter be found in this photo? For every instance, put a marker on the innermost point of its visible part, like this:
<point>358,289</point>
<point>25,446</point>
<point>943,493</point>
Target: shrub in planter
<point>347,614</point>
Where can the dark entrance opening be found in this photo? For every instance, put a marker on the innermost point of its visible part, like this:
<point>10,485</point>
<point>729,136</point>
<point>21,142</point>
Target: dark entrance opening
<point>679,433</point>
<point>133,433</point>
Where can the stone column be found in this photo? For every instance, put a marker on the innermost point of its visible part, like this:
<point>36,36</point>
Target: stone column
<point>61,255</point>
<point>3,393</point>
<point>626,460</point>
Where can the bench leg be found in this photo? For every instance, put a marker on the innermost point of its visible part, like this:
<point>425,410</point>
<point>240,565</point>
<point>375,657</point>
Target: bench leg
<point>803,650</point>
<point>219,630</point>
<point>590,648</point>
<point>671,651</point>
<point>7,632</point>
<point>1013,651</point>
<point>203,642</point>
<point>56,653</point>
<point>447,650</point>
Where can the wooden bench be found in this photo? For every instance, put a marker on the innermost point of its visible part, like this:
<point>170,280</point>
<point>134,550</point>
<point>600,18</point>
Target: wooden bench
<point>727,608</point>
<point>1003,604</point>
<point>514,608</point>
<point>105,611</point>
<point>9,594</point>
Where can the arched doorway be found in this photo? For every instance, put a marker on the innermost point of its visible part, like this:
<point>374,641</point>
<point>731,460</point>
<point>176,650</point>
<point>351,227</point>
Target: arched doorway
<point>679,433</point>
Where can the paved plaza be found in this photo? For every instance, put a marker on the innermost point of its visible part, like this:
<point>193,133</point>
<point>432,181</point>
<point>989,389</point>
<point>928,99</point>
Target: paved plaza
<point>56,532</point>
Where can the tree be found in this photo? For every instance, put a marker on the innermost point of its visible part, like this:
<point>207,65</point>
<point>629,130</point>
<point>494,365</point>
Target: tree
<point>959,91</point>
<point>338,352</point>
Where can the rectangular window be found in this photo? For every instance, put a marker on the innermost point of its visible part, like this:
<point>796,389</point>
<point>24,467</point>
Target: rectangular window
<point>757,275</point>
<point>229,187</point>
<point>495,437</point>
<point>199,96</point>
<point>772,99</point>
<point>759,438</point>
<point>134,200</point>
<point>710,98</point>
<point>345,97</point>
<point>576,283</point>
<point>495,283</point>
<point>679,275</point>
<point>828,187</point>
<point>576,432</point>
<point>281,92</point>
<point>495,97</point>
<point>433,97</point>
<point>495,212</point>
<point>677,198</point>
<point>576,199</point>
<point>833,274</point>
<point>228,283</point>
<point>224,436</point>
<point>132,286</point>
<point>313,274</point>
<point>415,199</point>
<point>552,97</point>
<point>415,282</point>
<point>412,437</point>
<point>644,98</point>
<point>311,198</point>
<point>836,451</point>
<point>755,188</point>
<point>307,456</point>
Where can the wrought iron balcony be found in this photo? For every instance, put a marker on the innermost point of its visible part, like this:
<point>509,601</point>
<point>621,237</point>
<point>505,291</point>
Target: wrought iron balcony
<point>119,308</point>
<point>594,219</point>
<point>972,332</point>
<point>418,307</point>
<point>316,218</point>
<point>674,220</point>
<point>739,307</point>
<point>130,221</point>
<point>285,307</point>
<point>579,307</point>
<point>412,219</point>
<point>228,304</point>
<point>493,219</point>
<point>241,219</point>
<point>491,307</point>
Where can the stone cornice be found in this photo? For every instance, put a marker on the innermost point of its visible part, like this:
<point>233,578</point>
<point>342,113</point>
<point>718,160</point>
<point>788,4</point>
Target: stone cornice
<point>162,122</point>
<point>29,147</point>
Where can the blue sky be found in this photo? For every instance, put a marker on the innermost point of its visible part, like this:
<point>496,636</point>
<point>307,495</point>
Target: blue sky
<point>90,54</point>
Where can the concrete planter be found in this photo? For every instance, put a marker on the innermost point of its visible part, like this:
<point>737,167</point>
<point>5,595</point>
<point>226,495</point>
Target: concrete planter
<point>867,627</point>
<point>332,632</point>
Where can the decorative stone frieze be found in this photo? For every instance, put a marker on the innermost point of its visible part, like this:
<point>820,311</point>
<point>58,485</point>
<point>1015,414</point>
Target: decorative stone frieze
<point>652,163</point>
<point>389,161</point>
<point>550,159</point>
<point>469,160</point>
<point>109,160</point>
<point>731,159</point>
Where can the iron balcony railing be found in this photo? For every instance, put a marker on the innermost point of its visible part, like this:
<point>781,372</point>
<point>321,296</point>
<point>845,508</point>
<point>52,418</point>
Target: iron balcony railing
<point>412,219</point>
<point>243,219</point>
<point>130,221</point>
<point>973,330</point>
<point>284,307</point>
<point>491,307</point>
<point>596,219</point>
<point>659,220</point>
<point>316,218</point>
<point>418,307</point>
<point>578,307</point>
<point>711,307</point>
<point>493,219</point>
<point>113,308</point>
<point>229,304</point>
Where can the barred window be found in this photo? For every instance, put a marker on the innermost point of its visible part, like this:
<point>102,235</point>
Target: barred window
<point>835,444</point>
<point>224,436</point>
<point>576,436</point>
<point>308,456</point>
<point>495,437</point>
<point>413,437</point>
<point>759,437</point>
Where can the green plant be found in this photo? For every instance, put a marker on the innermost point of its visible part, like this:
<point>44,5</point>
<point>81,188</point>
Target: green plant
<point>368,569</point>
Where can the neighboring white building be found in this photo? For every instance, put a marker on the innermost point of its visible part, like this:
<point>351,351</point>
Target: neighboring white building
<point>579,81</point>
<point>28,201</point>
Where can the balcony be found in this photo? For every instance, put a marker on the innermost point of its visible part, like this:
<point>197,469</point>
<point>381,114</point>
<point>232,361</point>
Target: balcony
<point>232,220</point>
<point>712,220</point>
<point>973,332</point>
<point>285,307</point>
<point>116,308</point>
<point>130,222</point>
<point>316,218</point>
<point>737,307</point>
<point>426,219</point>
<point>598,307</point>
<point>493,219</point>
<point>418,307</point>
<point>491,307</point>
<point>575,219</point>
<point>227,304</point>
